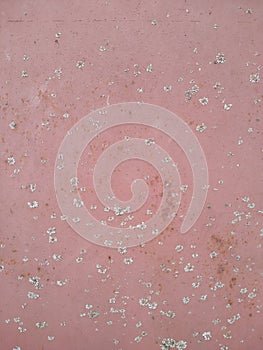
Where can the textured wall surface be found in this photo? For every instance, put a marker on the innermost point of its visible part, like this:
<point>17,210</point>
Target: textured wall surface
<point>201,61</point>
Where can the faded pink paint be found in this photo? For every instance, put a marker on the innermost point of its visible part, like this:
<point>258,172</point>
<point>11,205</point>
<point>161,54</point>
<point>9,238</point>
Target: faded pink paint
<point>182,46</point>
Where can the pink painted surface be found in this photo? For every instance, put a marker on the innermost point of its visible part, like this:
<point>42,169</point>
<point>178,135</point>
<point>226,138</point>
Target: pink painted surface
<point>61,60</point>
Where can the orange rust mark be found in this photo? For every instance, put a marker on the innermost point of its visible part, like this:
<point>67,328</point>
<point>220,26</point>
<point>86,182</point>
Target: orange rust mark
<point>232,282</point>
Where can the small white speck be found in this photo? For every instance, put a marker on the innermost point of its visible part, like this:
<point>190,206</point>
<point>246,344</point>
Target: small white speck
<point>207,335</point>
<point>32,187</point>
<point>80,64</point>
<point>33,204</point>
<point>201,127</point>
<point>220,58</point>
<point>122,250</point>
<point>52,239</point>
<point>243,290</point>
<point>149,68</point>
<point>102,48</point>
<point>41,324</point>
<point>78,203</point>
<point>11,160</point>
<point>228,106</point>
<point>213,254</point>
<point>57,257</point>
<point>128,261</point>
<point>167,88</point>
<point>32,295</point>
<point>186,300</point>
<point>93,314</point>
<point>203,101</point>
<point>24,74</point>
<point>189,267</point>
<point>12,125</point>
<point>249,11</point>
<point>62,283</point>
<point>170,343</point>
<point>179,248</point>
<point>254,78</point>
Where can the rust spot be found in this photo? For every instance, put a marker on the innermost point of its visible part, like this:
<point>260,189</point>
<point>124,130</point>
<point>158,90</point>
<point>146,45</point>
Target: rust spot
<point>222,244</point>
<point>232,282</point>
<point>220,269</point>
